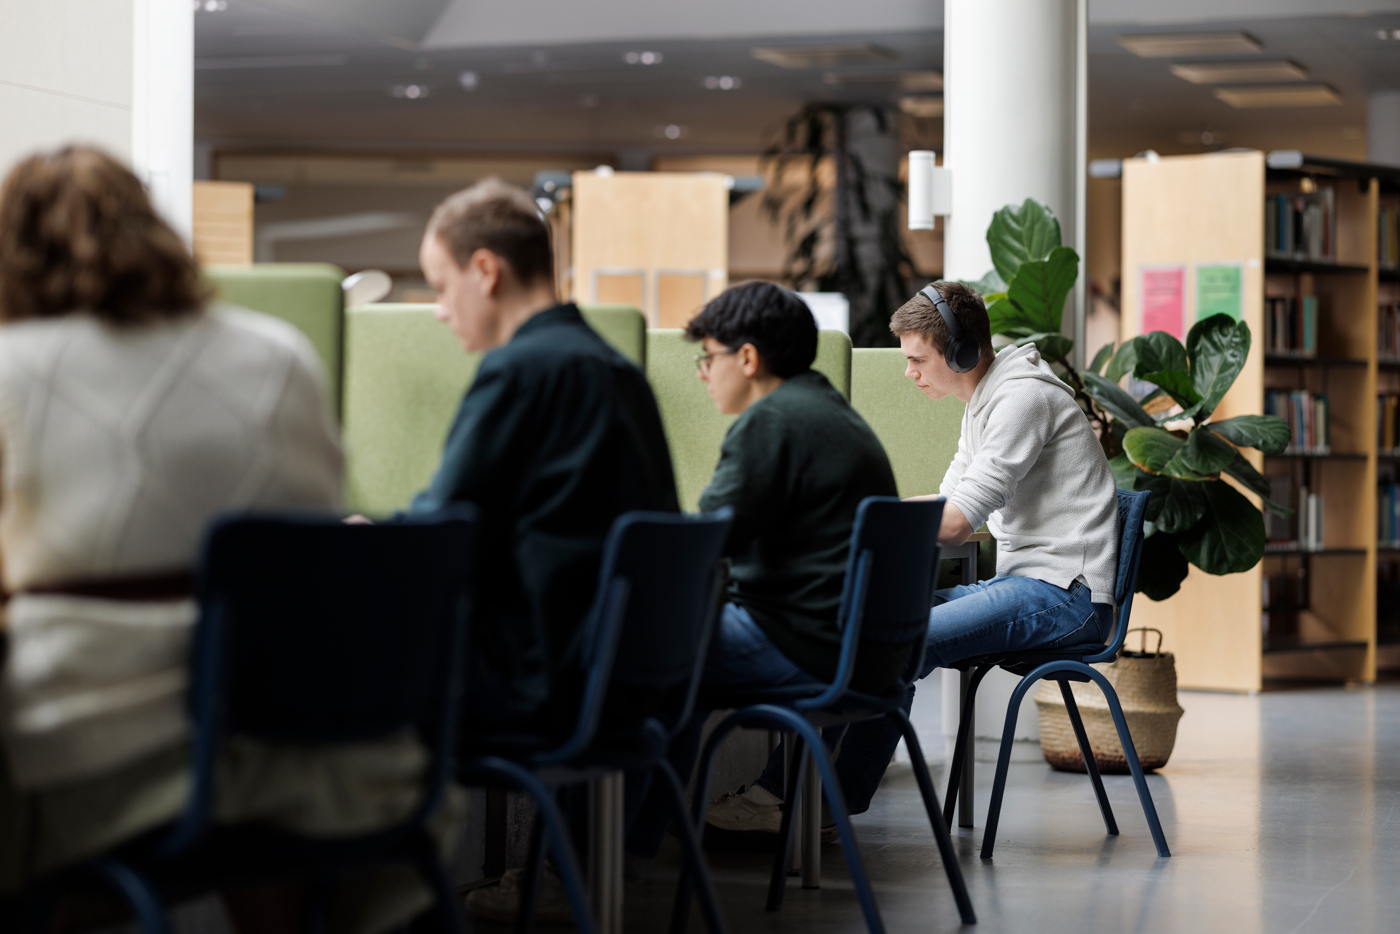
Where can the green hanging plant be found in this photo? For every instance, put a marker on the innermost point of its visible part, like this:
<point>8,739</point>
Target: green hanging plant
<point>1194,515</point>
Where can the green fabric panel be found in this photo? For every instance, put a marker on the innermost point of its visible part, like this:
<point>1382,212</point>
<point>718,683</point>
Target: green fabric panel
<point>694,428</point>
<point>405,374</point>
<point>307,295</point>
<point>622,326</point>
<point>920,436</point>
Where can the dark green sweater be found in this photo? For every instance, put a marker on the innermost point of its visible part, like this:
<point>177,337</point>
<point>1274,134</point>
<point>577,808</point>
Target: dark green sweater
<point>558,435</point>
<point>794,467</point>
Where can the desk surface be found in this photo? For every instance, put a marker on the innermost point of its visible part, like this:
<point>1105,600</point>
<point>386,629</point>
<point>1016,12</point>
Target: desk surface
<point>980,537</point>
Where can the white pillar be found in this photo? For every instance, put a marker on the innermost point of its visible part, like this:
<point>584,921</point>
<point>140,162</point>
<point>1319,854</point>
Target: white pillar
<point>1383,127</point>
<point>162,106</point>
<point>1014,128</point>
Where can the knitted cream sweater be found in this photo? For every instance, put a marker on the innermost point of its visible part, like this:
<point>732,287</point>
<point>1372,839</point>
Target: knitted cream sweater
<point>1029,466</point>
<point>118,445</point>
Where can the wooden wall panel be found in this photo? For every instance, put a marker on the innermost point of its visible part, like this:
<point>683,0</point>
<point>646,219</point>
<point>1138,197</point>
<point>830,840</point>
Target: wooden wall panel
<point>223,223</point>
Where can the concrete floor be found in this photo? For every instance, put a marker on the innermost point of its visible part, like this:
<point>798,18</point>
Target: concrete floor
<point>1279,809</point>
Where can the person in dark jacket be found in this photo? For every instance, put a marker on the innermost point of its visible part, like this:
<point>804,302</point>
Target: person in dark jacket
<point>558,435</point>
<point>794,466</point>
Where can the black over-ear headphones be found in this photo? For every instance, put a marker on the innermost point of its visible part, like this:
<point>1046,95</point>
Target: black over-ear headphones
<point>961,352</point>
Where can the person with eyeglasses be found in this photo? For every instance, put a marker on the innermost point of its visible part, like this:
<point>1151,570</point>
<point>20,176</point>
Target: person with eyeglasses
<point>793,466</point>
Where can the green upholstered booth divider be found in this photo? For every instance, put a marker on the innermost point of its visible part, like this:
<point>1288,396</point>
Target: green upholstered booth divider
<point>920,435</point>
<point>405,374</point>
<point>694,429</point>
<point>307,295</point>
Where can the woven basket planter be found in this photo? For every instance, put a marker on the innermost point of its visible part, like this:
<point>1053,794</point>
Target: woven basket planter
<point>1146,686</point>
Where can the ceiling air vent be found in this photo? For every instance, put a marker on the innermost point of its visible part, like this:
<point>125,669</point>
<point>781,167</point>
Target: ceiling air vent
<point>825,56</point>
<point>1297,95</point>
<point>1239,72</point>
<point>897,80</point>
<point>1182,44</point>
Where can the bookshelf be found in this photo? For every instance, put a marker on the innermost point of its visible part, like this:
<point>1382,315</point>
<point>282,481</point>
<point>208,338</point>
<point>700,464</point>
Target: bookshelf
<point>1323,304</point>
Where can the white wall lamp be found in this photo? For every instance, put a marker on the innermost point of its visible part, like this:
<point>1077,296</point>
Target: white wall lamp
<point>930,190</point>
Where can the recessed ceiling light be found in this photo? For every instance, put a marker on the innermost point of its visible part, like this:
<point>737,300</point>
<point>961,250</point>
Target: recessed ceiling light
<point>904,80</point>
<point>1298,95</point>
<point>210,6</point>
<point>922,106</point>
<point>825,56</point>
<point>1173,44</point>
<point>410,92</point>
<point>670,131</point>
<point>723,83</point>
<point>1239,72</point>
<point>644,58</point>
<point>469,80</point>
<point>1384,34</point>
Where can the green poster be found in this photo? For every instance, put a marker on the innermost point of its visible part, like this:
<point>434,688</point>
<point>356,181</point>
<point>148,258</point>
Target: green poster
<point>1218,290</point>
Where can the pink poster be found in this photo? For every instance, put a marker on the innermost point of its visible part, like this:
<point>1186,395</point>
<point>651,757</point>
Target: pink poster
<point>1162,293</point>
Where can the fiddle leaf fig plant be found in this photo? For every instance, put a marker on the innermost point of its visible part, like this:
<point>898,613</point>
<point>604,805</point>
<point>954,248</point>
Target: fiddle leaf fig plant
<point>1164,443</point>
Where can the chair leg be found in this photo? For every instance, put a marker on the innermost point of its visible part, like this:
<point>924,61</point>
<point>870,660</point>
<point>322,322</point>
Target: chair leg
<point>961,744</point>
<point>137,891</point>
<point>534,866</point>
<point>1008,736</point>
<point>940,828</point>
<point>1087,751</point>
<point>792,795</point>
<point>556,832</point>
<point>690,844</point>
<point>1130,752</point>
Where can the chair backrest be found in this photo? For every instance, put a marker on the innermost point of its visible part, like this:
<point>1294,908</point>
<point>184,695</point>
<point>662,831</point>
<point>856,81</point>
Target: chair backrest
<point>652,617</point>
<point>890,578</point>
<point>1132,509</point>
<point>312,631</point>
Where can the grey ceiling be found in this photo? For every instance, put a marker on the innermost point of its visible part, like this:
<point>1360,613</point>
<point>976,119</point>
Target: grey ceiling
<point>319,74</point>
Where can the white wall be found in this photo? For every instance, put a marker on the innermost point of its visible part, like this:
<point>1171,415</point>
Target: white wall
<point>65,75</point>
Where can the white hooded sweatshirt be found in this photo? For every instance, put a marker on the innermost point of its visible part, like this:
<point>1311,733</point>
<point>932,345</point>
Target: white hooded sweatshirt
<point>1030,466</point>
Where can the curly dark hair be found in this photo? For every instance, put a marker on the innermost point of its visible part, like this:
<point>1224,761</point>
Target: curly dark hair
<point>78,233</point>
<point>778,324</point>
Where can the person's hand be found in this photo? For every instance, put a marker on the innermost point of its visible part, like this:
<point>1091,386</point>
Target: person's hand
<point>357,519</point>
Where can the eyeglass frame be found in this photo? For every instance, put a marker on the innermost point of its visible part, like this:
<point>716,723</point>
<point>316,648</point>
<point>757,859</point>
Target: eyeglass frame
<point>703,360</point>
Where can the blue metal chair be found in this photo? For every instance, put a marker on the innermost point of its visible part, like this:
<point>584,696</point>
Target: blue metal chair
<point>644,649</point>
<point>1070,663</point>
<point>890,578</point>
<point>310,632</point>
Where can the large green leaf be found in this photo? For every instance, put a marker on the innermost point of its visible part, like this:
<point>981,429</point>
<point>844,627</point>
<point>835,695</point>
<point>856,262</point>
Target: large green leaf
<point>1040,286</point>
<point>1230,536</point>
<point>1103,356</point>
<point>1217,346</point>
<point>1177,384</point>
<point>1158,350</point>
<point>987,285</point>
<point>1183,506</point>
<point>1252,480</point>
<point>1054,347</point>
<point>1114,400</point>
<point>1020,234</point>
<point>1203,454</point>
<point>1128,477</point>
<point>1005,317</point>
<point>1151,449</point>
<point>1124,361</point>
<point>1163,567</point>
<point>1268,433</point>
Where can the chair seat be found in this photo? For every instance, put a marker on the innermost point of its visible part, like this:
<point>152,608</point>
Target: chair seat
<point>1023,663</point>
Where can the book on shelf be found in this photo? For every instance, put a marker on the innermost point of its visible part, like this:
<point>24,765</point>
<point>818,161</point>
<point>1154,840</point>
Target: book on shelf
<point>1310,521</point>
<point>1388,515</point>
<point>1388,238</point>
<point>1290,325</point>
<point>1301,226</point>
<point>1280,531</point>
<point>1388,332</point>
<point>1307,416</point>
<point>1388,422</point>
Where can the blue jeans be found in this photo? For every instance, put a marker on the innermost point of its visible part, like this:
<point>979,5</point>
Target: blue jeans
<point>740,655</point>
<point>1004,614</point>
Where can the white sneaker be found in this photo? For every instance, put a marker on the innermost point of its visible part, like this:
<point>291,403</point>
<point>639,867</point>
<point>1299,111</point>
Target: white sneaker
<point>751,810</point>
<point>501,902</point>
<point>757,810</point>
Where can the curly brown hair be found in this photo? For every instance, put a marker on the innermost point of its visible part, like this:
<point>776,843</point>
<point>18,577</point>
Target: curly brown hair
<point>78,233</point>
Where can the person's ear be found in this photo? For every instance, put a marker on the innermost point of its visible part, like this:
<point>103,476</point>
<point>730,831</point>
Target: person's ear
<point>749,361</point>
<point>487,268</point>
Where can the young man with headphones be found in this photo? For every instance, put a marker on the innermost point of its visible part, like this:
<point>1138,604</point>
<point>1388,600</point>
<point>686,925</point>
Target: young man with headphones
<point>1029,466</point>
